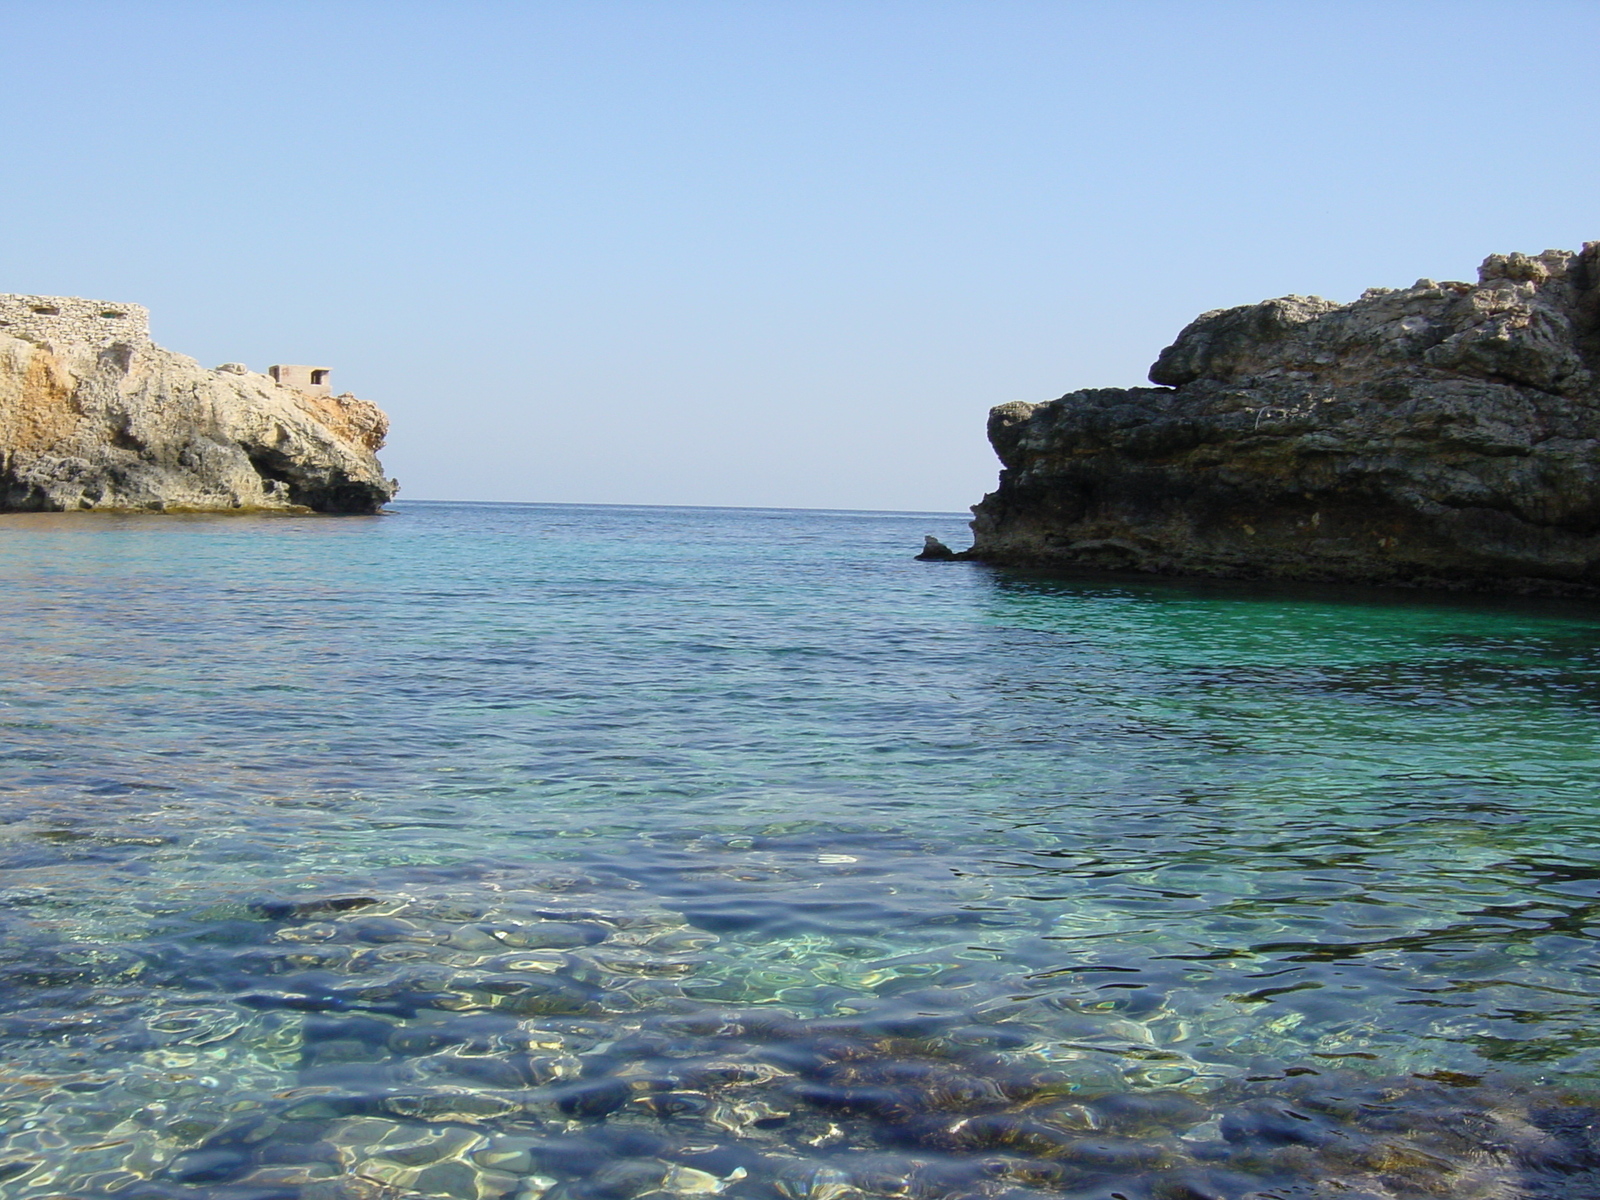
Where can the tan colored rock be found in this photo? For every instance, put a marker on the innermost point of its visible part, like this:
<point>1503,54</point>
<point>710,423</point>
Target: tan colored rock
<point>94,415</point>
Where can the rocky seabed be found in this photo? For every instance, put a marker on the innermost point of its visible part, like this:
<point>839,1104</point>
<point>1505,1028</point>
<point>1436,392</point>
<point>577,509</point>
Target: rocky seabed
<point>555,1035</point>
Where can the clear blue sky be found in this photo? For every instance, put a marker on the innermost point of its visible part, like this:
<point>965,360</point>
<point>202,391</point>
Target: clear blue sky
<point>765,253</point>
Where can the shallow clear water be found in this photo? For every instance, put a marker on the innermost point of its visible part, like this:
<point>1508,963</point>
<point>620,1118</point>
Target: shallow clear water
<point>597,852</point>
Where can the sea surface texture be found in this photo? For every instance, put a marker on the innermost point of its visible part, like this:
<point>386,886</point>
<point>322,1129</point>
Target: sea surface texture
<point>597,853</point>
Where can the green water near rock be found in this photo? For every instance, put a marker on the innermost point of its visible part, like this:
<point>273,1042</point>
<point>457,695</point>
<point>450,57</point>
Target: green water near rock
<point>595,853</point>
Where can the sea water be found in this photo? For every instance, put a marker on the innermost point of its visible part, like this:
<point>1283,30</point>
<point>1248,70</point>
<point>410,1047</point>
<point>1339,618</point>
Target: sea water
<point>600,852</point>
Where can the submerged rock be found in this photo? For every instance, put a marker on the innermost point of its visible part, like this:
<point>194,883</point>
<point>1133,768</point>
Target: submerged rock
<point>1445,434</point>
<point>408,1065</point>
<point>94,415</point>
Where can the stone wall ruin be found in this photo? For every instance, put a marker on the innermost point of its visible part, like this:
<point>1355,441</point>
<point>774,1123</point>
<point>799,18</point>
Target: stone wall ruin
<point>312,380</point>
<point>72,321</point>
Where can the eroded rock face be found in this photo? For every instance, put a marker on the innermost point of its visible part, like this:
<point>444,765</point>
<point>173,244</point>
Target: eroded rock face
<point>94,415</point>
<point>1445,434</point>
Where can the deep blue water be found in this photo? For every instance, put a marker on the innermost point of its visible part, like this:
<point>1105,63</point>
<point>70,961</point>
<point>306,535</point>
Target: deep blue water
<point>600,852</point>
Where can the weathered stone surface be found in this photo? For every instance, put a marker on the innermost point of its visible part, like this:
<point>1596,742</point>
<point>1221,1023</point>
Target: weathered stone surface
<point>1445,434</point>
<point>94,415</point>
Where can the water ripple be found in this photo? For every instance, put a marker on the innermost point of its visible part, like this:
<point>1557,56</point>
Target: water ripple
<point>597,853</point>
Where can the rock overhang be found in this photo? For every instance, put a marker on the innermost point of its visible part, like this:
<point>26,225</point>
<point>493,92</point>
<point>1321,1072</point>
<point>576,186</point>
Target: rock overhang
<point>1444,434</point>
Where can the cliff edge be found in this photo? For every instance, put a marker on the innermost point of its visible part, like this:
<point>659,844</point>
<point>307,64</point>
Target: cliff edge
<point>1445,434</point>
<point>94,415</point>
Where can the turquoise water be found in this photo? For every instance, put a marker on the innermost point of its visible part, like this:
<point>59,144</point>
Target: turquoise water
<point>600,852</point>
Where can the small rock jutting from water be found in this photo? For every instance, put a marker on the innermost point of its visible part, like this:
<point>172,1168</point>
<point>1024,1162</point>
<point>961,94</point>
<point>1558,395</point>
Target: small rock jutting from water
<point>933,550</point>
<point>1443,434</point>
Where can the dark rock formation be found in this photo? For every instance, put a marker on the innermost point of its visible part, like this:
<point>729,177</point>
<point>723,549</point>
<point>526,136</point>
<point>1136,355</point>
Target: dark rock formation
<point>94,415</point>
<point>1445,434</point>
<point>933,550</point>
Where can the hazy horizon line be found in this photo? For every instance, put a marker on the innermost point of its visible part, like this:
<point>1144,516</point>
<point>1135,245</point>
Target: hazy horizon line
<point>899,512</point>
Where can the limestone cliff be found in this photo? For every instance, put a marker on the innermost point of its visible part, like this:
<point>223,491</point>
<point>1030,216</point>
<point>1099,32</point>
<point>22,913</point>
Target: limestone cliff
<point>1445,434</point>
<point>94,415</point>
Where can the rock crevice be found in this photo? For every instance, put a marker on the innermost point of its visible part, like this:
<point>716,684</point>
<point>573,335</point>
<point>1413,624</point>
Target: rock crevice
<point>94,415</point>
<point>1445,434</point>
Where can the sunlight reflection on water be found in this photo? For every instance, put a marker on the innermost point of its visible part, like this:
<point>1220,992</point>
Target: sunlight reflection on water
<point>598,852</point>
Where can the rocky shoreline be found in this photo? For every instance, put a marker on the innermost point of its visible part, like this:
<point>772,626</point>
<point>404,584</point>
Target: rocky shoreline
<point>96,416</point>
<point>1441,435</point>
